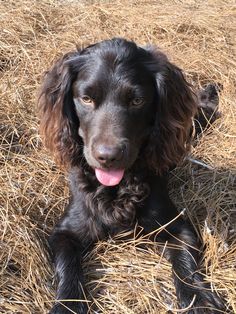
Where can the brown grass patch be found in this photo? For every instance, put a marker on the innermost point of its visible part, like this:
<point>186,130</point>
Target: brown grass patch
<point>199,37</point>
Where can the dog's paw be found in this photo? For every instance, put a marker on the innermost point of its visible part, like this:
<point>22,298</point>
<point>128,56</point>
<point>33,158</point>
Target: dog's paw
<point>204,301</point>
<point>208,97</point>
<point>69,308</point>
<point>208,108</point>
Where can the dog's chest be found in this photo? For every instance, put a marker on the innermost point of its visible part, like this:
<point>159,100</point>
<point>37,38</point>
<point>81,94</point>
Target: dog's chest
<point>116,208</point>
<point>106,210</point>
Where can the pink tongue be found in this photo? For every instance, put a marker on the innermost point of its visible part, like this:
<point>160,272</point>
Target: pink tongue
<point>109,177</point>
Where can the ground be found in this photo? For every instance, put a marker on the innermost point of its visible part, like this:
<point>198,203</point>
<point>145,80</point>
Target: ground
<point>122,277</point>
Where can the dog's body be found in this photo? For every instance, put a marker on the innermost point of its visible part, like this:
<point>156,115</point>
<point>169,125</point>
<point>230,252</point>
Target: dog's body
<point>120,116</point>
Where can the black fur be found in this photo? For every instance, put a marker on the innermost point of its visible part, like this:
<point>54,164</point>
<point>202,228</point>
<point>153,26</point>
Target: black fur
<point>138,117</point>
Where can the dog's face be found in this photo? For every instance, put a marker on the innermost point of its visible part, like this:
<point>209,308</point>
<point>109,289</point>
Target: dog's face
<point>115,104</point>
<point>112,102</point>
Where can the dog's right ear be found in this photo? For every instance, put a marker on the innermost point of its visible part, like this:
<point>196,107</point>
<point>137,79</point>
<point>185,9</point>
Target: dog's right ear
<point>59,123</point>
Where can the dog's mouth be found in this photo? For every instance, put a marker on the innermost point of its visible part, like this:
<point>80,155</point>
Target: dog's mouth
<point>109,177</point>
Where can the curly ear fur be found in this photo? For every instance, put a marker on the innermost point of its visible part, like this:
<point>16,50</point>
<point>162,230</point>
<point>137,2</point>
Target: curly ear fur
<point>59,123</point>
<point>176,106</point>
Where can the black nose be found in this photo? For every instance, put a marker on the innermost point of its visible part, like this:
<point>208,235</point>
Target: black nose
<point>106,155</point>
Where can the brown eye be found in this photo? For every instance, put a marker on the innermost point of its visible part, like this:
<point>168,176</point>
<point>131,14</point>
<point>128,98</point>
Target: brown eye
<point>87,100</point>
<point>137,101</point>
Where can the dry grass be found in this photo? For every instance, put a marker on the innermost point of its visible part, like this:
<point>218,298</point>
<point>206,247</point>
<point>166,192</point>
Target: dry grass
<point>124,278</point>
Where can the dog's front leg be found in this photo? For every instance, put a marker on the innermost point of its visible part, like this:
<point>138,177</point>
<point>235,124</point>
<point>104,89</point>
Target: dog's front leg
<point>68,252</point>
<point>182,250</point>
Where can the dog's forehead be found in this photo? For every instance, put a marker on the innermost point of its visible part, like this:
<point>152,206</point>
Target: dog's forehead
<point>112,69</point>
<point>114,54</point>
<point>106,78</point>
<point>112,65</point>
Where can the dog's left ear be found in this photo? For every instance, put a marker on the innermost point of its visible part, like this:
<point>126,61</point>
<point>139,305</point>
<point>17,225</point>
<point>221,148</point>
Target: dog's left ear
<point>175,108</point>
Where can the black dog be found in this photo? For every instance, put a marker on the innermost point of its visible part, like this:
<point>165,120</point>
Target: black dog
<point>119,116</point>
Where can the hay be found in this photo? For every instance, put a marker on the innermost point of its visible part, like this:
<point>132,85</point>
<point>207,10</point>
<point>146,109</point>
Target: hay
<point>123,277</point>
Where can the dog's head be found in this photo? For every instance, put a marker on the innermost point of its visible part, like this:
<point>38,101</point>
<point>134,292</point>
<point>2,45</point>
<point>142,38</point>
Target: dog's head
<point>112,103</point>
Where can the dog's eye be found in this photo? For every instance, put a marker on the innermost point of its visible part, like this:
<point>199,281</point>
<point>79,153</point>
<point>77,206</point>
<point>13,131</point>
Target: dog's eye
<point>87,100</point>
<point>137,101</point>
